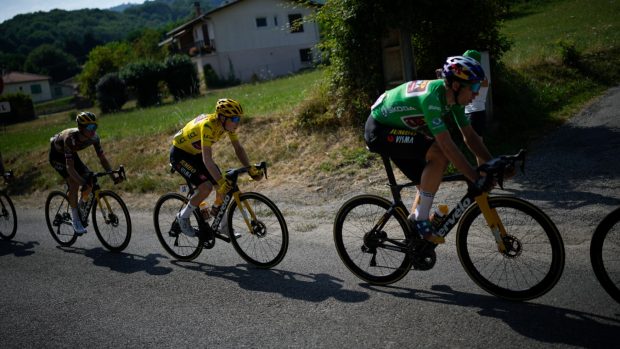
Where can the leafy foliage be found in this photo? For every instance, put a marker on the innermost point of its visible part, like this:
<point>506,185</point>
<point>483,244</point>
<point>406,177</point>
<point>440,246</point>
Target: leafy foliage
<point>111,93</point>
<point>144,77</point>
<point>49,60</point>
<point>78,32</point>
<point>22,108</point>
<point>102,60</point>
<point>353,32</point>
<point>181,77</point>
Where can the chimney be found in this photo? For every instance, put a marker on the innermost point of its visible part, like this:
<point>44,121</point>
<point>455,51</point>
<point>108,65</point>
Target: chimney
<point>197,8</point>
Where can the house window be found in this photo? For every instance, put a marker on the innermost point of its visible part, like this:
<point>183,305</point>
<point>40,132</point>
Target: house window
<point>305,55</point>
<point>35,89</point>
<point>295,23</point>
<point>261,22</point>
<point>275,21</point>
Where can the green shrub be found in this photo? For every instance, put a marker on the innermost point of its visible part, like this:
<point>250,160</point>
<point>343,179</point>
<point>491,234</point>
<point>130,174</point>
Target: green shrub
<point>111,93</point>
<point>181,77</point>
<point>570,56</point>
<point>214,81</point>
<point>22,108</point>
<point>143,77</point>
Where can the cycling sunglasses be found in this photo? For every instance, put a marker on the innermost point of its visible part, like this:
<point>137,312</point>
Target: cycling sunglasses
<point>235,119</point>
<point>475,87</point>
<point>91,127</point>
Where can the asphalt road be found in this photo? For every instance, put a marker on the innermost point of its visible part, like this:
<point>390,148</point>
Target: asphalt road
<point>84,296</point>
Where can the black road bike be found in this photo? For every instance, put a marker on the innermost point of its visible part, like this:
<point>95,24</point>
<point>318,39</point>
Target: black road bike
<point>605,253</point>
<point>508,246</point>
<point>254,225</point>
<point>110,216</point>
<point>8,218</point>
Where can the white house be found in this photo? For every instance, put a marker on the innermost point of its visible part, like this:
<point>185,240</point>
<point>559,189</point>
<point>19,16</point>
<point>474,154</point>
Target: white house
<point>256,39</point>
<point>37,86</point>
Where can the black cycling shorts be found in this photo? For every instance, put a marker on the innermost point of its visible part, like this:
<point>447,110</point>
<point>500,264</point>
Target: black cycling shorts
<point>59,163</point>
<point>190,166</point>
<point>406,148</point>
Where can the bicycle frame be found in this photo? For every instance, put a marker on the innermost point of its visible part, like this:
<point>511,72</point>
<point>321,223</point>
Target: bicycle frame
<point>235,194</point>
<point>95,195</point>
<point>451,219</point>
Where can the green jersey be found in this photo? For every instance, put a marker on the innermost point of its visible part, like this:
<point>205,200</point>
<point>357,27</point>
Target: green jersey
<point>418,105</point>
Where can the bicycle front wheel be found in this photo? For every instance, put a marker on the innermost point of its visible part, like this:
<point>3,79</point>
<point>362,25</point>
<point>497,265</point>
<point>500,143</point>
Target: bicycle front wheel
<point>111,221</point>
<point>533,261</point>
<point>8,218</point>
<point>262,240</point>
<point>605,254</point>
<point>177,244</point>
<point>361,247</point>
<point>58,218</point>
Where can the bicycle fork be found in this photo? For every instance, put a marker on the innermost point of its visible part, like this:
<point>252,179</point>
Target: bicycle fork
<point>493,221</point>
<point>244,208</point>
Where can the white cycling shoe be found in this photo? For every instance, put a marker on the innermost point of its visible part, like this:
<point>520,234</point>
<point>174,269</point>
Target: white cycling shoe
<point>78,228</point>
<point>186,227</point>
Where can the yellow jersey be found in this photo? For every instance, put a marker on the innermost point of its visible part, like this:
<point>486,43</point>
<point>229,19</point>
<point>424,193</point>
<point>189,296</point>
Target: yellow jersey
<point>204,130</point>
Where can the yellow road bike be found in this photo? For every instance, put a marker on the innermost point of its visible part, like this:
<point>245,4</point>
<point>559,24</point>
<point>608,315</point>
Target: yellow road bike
<point>254,225</point>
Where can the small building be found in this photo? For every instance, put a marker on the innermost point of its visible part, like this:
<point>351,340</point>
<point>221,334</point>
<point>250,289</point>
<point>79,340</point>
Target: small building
<point>250,39</point>
<point>37,86</point>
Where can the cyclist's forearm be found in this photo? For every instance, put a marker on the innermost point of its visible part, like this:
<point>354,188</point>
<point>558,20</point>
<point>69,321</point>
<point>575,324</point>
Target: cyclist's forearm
<point>476,145</point>
<point>241,154</point>
<point>105,163</point>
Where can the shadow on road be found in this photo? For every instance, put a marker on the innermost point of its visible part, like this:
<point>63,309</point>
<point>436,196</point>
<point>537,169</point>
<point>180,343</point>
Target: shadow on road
<point>17,248</point>
<point>561,167</point>
<point>537,321</point>
<point>307,287</point>
<point>122,262</point>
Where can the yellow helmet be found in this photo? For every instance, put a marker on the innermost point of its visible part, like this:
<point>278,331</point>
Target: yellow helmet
<point>86,118</point>
<point>228,108</point>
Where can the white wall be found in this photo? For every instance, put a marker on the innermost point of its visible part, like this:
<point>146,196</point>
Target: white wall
<point>45,95</point>
<point>266,51</point>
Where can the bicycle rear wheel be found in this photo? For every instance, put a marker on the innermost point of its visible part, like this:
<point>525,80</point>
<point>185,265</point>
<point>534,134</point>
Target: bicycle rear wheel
<point>361,247</point>
<point>8,218</point>
<point>266,242</point>
<point>533,262</point>
<point>111,221</point>
<point>605,254</point>
<point>177,244</point>
<point>58,218</point>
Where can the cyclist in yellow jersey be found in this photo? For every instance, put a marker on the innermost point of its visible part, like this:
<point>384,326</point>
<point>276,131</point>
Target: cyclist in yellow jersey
<point>191,155</point>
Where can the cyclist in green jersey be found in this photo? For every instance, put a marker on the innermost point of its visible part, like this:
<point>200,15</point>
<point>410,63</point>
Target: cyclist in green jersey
<point>408,123</point>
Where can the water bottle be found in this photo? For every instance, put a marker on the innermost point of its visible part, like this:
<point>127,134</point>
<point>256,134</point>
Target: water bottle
<point>439,215</point>
<point>204,210</point>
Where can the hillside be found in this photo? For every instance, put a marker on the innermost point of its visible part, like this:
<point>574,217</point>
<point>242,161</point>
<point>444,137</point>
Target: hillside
<point>528,97</point>
<point>77,32</point>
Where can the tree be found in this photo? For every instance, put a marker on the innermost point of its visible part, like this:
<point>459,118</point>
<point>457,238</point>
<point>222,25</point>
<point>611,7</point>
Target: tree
<point>144,77</point>
<point>49,60</point>
<point>102,60</point>
<point>353,29</point>
<point>111,93</point>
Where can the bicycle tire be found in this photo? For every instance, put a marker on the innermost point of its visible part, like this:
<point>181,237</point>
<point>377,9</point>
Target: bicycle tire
<point>605,254</point>
<point>267,244</point>
<point>178,245</point>
<point>58,218</point>
<point>537,250</point>
<point>8,218</point>
<point>115,240</point>
<point>353,222</point>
